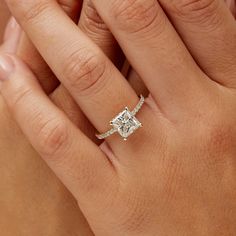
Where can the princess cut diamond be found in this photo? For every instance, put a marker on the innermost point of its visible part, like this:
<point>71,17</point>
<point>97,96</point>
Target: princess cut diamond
<point>125,123</point>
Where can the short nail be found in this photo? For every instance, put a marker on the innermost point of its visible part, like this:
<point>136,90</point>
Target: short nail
<point>6,67</point>
<point>11,26</point>
<point>13,23</point>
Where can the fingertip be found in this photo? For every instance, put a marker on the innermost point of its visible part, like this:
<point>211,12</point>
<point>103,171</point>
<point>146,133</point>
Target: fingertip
<point>11,36</point>
<point>11,26</point>
<point>14,73</point>
<point>7,66</point>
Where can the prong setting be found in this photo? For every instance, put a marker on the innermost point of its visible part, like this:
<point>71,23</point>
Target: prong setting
<point>125,123</point>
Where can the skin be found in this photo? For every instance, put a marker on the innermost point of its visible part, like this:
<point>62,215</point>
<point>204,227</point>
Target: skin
<point>3,18</point>
<point>22,186</point>
<point>63,227</point>
<point>13,167</point>
<point>232,6</point>
<point>59,215</point>
<point>176,176</point>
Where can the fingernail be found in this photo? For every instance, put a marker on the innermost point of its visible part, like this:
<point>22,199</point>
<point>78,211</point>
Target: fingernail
<point>13,23</point>
<point>11,27</point>
<point>6,67</point>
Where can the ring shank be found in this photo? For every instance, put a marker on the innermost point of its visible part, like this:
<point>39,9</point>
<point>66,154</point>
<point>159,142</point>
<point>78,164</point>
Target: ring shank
<point>107,134</point>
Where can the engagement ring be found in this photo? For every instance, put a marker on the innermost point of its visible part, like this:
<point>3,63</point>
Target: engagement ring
<point>125,123</point>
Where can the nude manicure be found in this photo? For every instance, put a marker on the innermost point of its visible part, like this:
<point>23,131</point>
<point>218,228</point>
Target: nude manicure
<point>6,67</point>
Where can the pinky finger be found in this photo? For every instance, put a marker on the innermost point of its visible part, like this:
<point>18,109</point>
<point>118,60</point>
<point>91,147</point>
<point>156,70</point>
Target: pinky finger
<point>77,161</point>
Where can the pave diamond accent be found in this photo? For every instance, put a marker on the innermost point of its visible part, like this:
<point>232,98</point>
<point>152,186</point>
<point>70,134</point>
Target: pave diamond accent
<point>125,123</point>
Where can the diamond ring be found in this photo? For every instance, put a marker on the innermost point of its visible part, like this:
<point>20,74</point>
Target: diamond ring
<point>125,123</point>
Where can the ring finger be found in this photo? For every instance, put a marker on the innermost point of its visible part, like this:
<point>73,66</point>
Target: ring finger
<point>97,86</point>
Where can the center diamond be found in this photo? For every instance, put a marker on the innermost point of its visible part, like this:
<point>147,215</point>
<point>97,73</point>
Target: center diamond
<point>125,123</point>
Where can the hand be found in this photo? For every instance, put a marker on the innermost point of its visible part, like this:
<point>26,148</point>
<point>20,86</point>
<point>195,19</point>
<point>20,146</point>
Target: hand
<point>21,186</point>
<point>24,180</point>
<point>176,176</point>
<point>13,165</point>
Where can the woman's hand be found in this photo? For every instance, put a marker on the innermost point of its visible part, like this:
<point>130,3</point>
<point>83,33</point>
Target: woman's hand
<point>13,165</point>
<point>176,175</point>
<point>51,206</point>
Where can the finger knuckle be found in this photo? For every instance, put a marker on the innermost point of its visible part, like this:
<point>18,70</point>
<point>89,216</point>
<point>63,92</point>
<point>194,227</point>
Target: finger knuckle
<point>52,135</point>
<point>220,136</point>
<point>85,71</point>
<point>21,94</point>
<point>92,20</point>
<point>200,11</point>
<point>135,15</point>
<point>214,135</point>
<point>34,10</point>
<point>69,5</point>
<point>219,139</point>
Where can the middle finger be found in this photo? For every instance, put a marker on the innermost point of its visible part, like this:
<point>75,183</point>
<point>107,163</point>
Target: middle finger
<point>155,51</point>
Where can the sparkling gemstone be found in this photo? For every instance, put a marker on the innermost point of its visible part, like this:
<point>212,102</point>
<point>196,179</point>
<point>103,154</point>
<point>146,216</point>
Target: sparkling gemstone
<point>125,123</point>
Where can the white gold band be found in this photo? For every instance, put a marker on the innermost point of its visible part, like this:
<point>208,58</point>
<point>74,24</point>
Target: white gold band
<point>125,123</point>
